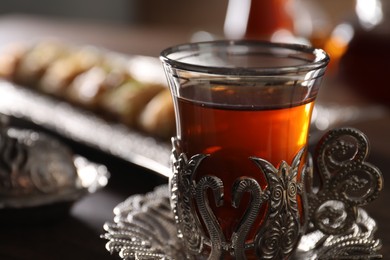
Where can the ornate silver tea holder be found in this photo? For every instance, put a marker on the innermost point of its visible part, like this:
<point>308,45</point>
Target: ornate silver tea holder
<point>161,224</point>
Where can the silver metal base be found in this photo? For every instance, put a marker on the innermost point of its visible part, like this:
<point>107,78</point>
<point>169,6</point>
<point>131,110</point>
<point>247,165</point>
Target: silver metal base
<point>147,227</point>
<point>144,228</point>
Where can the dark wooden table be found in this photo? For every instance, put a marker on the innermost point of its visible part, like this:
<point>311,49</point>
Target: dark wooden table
<point>76,234</point>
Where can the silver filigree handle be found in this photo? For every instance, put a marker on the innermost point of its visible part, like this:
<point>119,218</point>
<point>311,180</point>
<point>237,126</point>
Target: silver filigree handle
<point>346,180</point>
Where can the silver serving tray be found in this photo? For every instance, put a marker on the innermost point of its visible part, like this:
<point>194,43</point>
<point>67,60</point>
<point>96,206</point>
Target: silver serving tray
<point>85,127</point>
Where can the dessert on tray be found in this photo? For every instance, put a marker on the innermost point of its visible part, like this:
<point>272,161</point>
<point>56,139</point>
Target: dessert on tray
<point>94,79</point>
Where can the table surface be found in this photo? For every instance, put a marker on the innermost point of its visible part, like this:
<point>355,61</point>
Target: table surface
<point>76,234</point>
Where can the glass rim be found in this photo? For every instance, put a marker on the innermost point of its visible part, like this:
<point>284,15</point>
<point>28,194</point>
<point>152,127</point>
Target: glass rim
<point>320,60</point>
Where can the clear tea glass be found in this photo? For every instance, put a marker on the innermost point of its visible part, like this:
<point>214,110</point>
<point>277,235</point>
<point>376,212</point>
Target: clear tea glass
<point>243,111</point>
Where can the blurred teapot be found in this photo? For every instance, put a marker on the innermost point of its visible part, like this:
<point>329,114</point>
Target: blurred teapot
<point>262,20</point>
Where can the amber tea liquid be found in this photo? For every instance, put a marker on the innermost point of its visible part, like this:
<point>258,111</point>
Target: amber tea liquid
<point>231,134</point>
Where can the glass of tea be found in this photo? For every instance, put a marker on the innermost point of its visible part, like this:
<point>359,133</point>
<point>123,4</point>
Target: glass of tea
<point>243,112</point>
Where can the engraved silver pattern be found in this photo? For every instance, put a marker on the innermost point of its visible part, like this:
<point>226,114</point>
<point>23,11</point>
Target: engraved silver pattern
<point>187,223</point>
<point>144,228</point>
<point>346,181</point>
<point>32,164</point>
<point>282,228</point>
<point>331,233</point>
<point>358,243</point>
<point>37,169</point>
<point>278,236</point>
<point>240,186</point>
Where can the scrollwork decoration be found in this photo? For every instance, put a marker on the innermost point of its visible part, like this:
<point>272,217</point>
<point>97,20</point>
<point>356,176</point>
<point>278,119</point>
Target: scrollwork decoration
<point>282,230</point>
<point>337,227</point>
<point>283,224</point>
<point>347,181</point>
<point>182,193</point>
<point>242,185</point>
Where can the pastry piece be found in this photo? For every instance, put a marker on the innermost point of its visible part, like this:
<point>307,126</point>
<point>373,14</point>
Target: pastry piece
<point>158,118</point>
<point>36,60</point>
<point>126,102</point>
<point>61,72</point>
<point>10,57</point>
<point>88,88</point>
<point>93,79</point>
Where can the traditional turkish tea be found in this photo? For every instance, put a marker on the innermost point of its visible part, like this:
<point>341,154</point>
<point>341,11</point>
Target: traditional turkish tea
<point>243,113</point>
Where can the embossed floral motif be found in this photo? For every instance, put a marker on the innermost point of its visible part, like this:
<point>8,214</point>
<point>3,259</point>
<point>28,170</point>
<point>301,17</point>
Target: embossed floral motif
<point>144,228</point>
<point>276,239</point>
<point>280,234</point>
<point>182,193</point>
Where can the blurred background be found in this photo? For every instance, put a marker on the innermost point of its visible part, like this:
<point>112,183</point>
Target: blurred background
<point>355,33</point>
<point>191,14</point>
<point>362,25</point>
